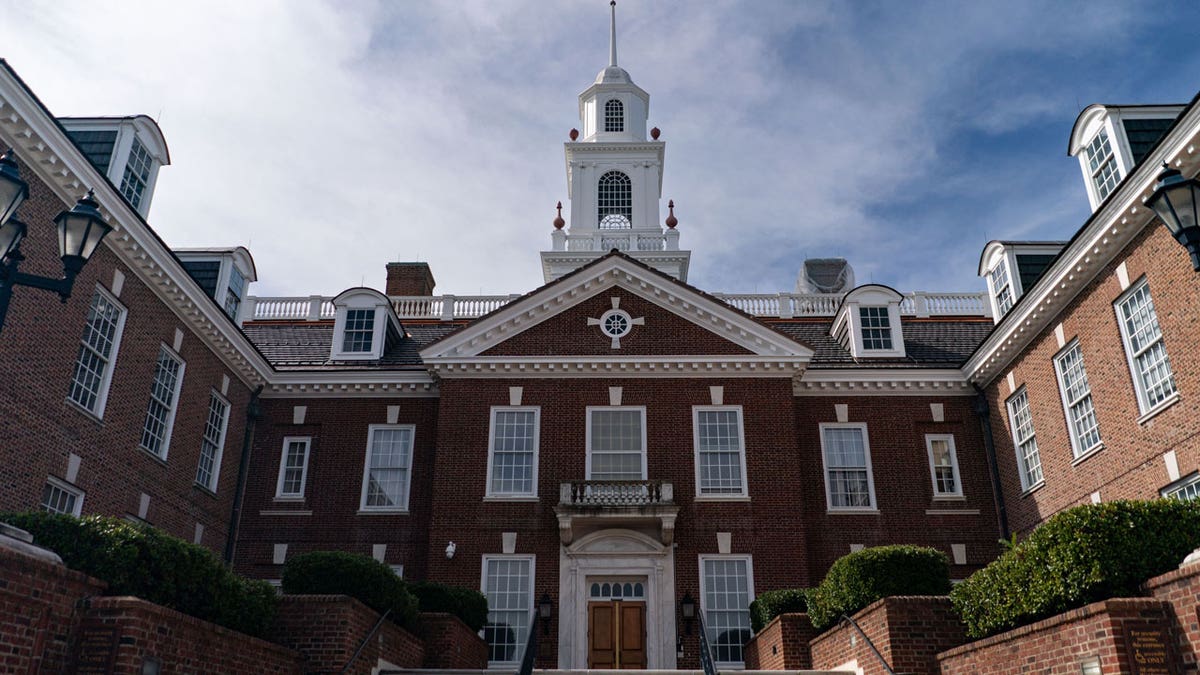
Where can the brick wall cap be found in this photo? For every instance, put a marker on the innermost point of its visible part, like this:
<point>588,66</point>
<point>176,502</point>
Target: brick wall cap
<point>1171,577</point>
<point>884,604</point>
<point>1070,616</point>
<point>15,559</point>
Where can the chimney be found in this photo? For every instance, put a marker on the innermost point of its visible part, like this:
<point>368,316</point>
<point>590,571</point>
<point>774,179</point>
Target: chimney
<point>409,278</point>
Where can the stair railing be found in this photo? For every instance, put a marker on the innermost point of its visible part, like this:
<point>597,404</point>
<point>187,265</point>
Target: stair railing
<point>366,639</point>
<point>706,659</point>
<point>531,644</point>
<point>852,622</point>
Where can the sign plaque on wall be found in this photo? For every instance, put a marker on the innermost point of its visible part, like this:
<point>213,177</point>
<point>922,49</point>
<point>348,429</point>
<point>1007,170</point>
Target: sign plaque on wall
<point>95,649</point>
<point>1149,650</point>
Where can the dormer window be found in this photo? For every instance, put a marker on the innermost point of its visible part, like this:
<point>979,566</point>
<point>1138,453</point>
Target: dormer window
<point>867,323</point>
<point>1110,141</point>
<point>614,116</point>
<point>1012,268</point>
<point>224,274</point>
<point>137,173</point>
<point>1103,164</point>
<point>364,327</point>
<point>1002,293</point>
<point>234,292</point>
<point>127,150</point>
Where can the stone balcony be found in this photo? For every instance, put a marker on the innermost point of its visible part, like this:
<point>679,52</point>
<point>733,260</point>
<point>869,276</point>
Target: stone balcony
<point>586,505</point>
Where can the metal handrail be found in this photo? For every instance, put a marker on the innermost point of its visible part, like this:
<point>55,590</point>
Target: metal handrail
<point>530,655</point>
<point>852,622</point>
<point>366,639</point>
<point>706,659</point>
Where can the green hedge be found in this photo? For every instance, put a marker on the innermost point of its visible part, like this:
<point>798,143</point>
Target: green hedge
<point>1082,555</point>
<point>771,604</point>
<point>465,603</point>
<point>358,576</point>
<point>147,563</point>
<point>858,579</point>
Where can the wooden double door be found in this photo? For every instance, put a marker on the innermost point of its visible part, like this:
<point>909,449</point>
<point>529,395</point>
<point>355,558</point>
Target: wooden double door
<point>617,634</point>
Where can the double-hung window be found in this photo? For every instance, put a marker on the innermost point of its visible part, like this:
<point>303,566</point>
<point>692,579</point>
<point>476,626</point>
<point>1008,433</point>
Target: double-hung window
<point>164,396</point>
<point>212,443</point>
<point>1002,289</point>
<point>97,353</point>
<point>846,453</point>
<point>360,331</point>
<point>616,441</point>
<point>728,584</point>
<point>876,328</point>
<point>1148,362</point>
<point>1029,462</point>
<point>720,451</point>
<point>293,468</point>
<point>513,452</point>
<point>1103,165</point>
<point>387,471</point>
<point>943,465</point>
<point>137,173</point>
<point>233,292</point>
<point>1077,400</point>
<point>508,585</point>
<point>61,497</point>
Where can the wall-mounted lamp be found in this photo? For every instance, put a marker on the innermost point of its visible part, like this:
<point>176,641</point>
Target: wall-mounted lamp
<point>450,549</point>
<point>687,607</point>
<point>545,612</point>
<point>1176,200</point>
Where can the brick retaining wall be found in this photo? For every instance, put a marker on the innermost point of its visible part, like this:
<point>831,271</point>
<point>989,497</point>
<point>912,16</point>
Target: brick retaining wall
<point>908,631</point>
<point>327,629</point>
<point>782,644</point>
<point>450,643</point>
<point>1181,590</point>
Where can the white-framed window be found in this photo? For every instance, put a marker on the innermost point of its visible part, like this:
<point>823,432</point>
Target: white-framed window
<point>846,454</point>
<point>615,201</point>
<point>1103,164</point>
<point>1002,289</point>
<point>507,584</point>
<point>293,467</point>
<point>97,353</point>
<point>164,398</point>
<point>720,451</point>
<point>137,173</point>
<point>360,331</point>
<point>1148,363</point>
<point>398,570</point>
<point>62,497</point>
<point>234,291</point>
<point>616,443</point>
<point>614,115</point>
<point>1186,488</point>
<point>212,443</point>
<point>387,471</point>
<point>1029,461</point>
<point>876,329</point>
<point>1076,393</point>
<point>943,465</point>
<point>513,451</point>
<point>727,588</point>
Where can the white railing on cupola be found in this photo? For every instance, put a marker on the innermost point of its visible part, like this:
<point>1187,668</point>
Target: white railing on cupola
<point>769,305</point>
<point>622,240</point>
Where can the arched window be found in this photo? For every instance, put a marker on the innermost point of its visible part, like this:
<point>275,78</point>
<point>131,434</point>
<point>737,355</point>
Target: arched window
<point>614,115</point>
<point>615,201</point>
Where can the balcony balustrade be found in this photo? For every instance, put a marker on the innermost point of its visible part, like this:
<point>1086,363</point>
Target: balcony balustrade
<point>591,504</point>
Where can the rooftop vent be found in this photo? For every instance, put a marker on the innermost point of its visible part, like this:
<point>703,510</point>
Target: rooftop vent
<point>825,275</point>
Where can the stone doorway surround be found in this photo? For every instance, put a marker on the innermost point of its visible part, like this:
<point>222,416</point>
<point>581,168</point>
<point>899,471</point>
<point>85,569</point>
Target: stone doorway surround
<point>616,553</point>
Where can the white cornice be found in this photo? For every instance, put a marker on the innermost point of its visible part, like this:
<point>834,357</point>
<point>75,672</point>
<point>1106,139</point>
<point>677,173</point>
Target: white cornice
<point>386,383</point>
<point>882,382</point>
<point>603,367</point>
<point>1116,224</point>
<point>615,272</point>
<point>44,147</point>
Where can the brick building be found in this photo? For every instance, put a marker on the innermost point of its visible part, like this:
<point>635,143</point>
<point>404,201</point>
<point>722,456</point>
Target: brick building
<point>616,442</point>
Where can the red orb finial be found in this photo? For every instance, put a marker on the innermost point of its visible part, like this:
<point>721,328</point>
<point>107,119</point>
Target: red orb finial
<point>672,221</point>
<point>558,221</point>
<point>574,134</point>
<point>654,133</point>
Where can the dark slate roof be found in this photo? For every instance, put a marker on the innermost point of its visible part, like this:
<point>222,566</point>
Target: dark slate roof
<point>305,346</point>
<point>97,146</point>
<point>1030,267</point>
<point>1144,134</point>
<point>937,343</point>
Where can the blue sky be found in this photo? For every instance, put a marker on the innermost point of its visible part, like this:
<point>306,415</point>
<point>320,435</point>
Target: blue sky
<point>332,138</point>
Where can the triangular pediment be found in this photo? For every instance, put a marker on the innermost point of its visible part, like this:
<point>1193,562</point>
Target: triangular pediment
<point>618,310</point>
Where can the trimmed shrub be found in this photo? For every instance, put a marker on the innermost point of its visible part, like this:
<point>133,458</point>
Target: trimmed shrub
<point>358,576</point>
<point>858,579</point>
<point>771,604</point>
<point>465,603</point>
<point>154,566</point>
<point>1082,555</point>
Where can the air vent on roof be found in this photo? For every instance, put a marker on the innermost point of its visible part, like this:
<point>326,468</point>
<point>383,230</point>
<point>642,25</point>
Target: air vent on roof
<point>825,275</point>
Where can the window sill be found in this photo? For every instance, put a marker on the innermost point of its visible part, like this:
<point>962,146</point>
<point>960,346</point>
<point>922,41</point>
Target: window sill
<point>1088,454</point>
<point>289,500</point>
<point>157,458</point>
<point>1154,412</point>
<point>1033,488</point>
<point>722,498</point>
<point>84,411</point>
<point>205,489</point>
<point>383,512</point>
<point>512,498</point>
<point>285,512</point>
<point>949,498</point>
<point>851,512</point>
<point>951,512</point>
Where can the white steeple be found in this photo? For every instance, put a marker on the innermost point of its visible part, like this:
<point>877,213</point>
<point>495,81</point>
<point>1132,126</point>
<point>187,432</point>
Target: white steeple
<point>614,179</point>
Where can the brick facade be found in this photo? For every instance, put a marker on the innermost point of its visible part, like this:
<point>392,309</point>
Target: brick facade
<point>41,428</point>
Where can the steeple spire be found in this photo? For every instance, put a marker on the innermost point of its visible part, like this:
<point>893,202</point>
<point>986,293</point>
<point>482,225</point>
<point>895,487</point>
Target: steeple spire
<point>612,35</point>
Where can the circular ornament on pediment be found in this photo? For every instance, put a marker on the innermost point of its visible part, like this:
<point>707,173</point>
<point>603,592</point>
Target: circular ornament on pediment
<point>616,323</point>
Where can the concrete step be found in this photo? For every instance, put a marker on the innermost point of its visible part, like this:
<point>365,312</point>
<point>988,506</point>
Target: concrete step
<point>425,671</point>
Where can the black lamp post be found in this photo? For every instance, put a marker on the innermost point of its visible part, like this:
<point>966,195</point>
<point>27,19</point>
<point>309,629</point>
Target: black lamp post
<point>80,231</point>
<point>545,612</point>
<point>1176,200</point>
<point>687,607</point>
